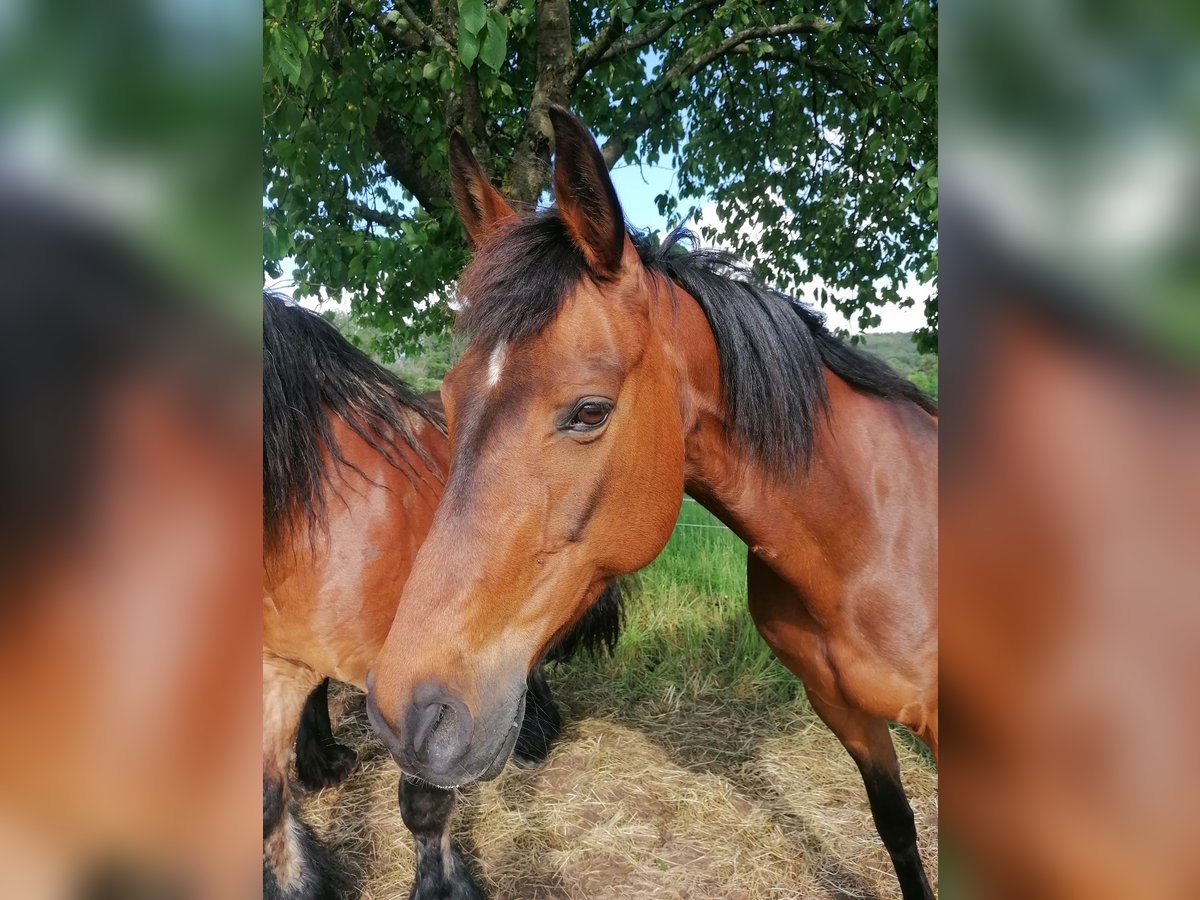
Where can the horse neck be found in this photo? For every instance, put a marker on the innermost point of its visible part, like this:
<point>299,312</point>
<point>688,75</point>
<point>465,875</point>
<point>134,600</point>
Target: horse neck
<point>812,523</point>
<point>367,483</point>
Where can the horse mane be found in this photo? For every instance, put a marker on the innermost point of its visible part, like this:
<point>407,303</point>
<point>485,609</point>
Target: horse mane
<point>772,348</point>
<point>311,373</point>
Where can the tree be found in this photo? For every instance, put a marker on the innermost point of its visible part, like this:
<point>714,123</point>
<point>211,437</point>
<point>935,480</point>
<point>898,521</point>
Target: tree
<point>811,124</point>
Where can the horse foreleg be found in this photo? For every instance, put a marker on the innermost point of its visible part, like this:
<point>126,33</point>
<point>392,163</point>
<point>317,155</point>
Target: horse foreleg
<point>779,617</point>
<point>541,724</point>
<point>295,865</point>
<point>442,873</point>
<point>321,761</point>
<point>869,743</point>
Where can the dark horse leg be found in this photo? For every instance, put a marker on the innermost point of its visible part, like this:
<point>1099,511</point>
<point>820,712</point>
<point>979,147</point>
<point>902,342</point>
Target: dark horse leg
<point>442,873</point>
<point>870,744</point>
<point>321,761</point>
<point>295,864</point>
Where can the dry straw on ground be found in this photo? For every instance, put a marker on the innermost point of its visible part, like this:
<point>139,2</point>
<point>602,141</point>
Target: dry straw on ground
<point>682,795</point>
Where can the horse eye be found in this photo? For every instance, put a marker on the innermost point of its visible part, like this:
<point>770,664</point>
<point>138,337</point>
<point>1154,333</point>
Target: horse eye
<point>589,415</point>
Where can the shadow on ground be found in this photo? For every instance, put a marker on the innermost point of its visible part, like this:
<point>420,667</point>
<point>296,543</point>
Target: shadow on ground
<point>691,787</point>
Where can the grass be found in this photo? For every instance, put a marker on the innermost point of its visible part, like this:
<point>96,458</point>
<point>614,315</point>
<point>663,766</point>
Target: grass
<point>691,767</point>
<point>688,630</point>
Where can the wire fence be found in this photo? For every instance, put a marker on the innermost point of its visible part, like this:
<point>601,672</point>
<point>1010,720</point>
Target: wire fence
<point>698,524</point>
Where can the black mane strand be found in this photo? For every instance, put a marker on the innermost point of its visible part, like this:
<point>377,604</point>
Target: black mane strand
<point>310,373</point>
<point>772,349</point>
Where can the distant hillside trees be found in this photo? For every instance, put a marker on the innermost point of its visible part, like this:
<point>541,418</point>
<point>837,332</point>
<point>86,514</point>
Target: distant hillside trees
<point>424,367</point>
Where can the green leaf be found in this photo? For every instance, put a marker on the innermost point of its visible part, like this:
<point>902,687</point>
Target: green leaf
<point>296,38</point>
<point>471,16</point>
<point>270,243</point>
<point>284,54</point>
<point>284,150</point>
<point>495,45</point>
<point>468,47</point>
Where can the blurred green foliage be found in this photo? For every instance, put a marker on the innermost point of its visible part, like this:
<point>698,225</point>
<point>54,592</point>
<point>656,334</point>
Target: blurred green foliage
<point>422,364</point>
<point>142,114</point>
<point>1072,130</point>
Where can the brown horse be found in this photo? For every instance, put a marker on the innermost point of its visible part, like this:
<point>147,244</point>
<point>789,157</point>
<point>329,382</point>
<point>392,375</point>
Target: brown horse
<point>1071,488</point>
<point>129,561</point>
<point>605,377</point>
<point>354,465</point>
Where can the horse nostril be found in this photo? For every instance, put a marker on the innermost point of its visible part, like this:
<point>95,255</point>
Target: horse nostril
<point>441,731</point>
<point>427,722</point>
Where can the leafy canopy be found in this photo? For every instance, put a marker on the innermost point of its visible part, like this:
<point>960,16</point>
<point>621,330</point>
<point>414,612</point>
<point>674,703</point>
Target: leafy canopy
<point>811,125</point>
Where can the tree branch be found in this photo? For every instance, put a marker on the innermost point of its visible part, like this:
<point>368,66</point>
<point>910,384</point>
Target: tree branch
<point>590,53</point>
<point>440,19</point>
<point>474,124</point>
<point>466,110</point>
<point>399,155</point>
<point>686,68</point>
<point>834,76</point>
<point>375,216</point>
<point>429,34</point>
<point>530,170</point>
<point>403,164</point>
<point>649,34</point>
<point>386,23</point>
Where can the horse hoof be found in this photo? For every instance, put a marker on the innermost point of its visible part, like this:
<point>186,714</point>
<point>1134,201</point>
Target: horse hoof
<point>437,880</point>
<point>297,866</point>
<point>460,890</point>
<point>330,765</point>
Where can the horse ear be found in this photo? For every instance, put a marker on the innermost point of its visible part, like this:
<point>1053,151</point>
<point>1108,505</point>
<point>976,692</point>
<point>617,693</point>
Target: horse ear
<point>586,198</point>
<point>480,205</point>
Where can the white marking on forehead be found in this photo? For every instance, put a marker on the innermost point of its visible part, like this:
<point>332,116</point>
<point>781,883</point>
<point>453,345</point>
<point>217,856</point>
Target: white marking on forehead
<point>496,364</point>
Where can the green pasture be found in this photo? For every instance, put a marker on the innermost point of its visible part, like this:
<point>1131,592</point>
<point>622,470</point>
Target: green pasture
<point>687,629</point>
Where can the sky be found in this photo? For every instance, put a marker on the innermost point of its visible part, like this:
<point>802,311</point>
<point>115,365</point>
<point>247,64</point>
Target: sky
<point>637,186</point>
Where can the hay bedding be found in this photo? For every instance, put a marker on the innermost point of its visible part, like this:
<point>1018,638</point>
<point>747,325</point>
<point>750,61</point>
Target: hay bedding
<point>693,799</point>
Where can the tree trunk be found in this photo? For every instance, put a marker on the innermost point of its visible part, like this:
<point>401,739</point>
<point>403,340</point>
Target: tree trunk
<point>530,172</point>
